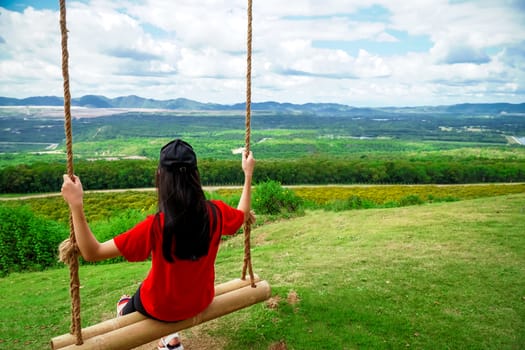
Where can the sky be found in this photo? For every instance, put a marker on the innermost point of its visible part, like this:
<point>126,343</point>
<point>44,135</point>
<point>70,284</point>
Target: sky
<point>354,52</point>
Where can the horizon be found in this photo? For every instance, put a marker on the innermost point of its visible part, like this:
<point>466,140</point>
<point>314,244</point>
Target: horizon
<point>350,52</point>
<point>231,104</point>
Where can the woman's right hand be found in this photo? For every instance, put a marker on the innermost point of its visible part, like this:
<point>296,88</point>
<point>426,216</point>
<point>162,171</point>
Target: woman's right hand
<point>72,191</point>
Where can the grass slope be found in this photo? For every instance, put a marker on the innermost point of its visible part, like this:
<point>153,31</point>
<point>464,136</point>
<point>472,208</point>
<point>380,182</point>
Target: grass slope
<point>436,276</point>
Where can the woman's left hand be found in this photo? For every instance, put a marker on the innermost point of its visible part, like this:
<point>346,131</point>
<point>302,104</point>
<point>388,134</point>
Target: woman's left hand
<point>252,218</point>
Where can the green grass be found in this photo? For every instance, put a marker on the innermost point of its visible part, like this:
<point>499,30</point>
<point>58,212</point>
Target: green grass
<point>434,276</point>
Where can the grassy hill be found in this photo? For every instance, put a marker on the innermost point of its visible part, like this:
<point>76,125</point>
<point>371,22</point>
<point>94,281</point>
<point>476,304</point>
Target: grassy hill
<point>435,276</point>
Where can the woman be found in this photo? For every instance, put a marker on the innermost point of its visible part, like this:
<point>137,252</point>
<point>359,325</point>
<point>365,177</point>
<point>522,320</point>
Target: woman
<point>182,238</point>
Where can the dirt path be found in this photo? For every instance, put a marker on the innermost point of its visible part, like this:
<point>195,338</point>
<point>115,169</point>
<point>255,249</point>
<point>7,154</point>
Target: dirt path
<point>148,189</point>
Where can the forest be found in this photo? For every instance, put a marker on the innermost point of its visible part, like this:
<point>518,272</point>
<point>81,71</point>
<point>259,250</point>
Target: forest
<point>47,177</point>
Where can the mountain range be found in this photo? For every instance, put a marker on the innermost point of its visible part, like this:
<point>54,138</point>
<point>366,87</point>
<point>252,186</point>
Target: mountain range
<point>183,104</point>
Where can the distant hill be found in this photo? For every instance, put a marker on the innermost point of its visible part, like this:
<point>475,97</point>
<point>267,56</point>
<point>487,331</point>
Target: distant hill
<point>32,101</point>
<point>133,101</point>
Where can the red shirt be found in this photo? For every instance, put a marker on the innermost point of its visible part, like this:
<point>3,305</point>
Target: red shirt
<point>182,289</point>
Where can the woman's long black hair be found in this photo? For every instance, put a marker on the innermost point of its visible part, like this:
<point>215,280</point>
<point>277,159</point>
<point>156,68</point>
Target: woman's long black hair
<point>186,233</point>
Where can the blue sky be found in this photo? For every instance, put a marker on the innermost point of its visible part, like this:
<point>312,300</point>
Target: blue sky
<point>355,52</point>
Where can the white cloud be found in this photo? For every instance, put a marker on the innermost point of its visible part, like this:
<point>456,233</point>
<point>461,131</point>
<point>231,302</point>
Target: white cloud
<point>354,52</point>
<point>210,62</point>
<point>446,53</point>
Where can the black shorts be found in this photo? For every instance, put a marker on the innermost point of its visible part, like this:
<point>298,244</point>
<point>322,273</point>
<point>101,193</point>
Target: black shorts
<point>136,305</point>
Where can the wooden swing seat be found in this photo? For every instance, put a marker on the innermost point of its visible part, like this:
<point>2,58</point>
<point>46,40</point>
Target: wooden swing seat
<point>133,330</point>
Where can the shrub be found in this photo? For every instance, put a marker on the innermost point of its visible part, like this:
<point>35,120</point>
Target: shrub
<point>353,202</point>
<point>116,224</point>
<point>410,200</point>
<point>433,199</point>
<point>228,196</point>
<point>27,242</point>
<point>271,198</point>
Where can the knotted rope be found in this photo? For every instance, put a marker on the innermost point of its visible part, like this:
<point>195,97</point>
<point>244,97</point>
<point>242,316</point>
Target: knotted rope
<point>68,250</point>
<point>247,226</point>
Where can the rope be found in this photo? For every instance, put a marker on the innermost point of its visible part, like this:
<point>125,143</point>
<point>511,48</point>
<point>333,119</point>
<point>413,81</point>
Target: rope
<point>68,250</point>
<point>247,226</point>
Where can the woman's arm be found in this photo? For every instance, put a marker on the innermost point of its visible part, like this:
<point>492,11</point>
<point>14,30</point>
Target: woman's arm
<point>90,248</point>
<point>248,164</point>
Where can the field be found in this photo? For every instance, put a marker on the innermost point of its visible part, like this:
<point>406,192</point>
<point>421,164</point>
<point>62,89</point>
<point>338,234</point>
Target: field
<point>34,134</point>
<point>105,205</point>
<point>434,276</point>
<point>363,147</point>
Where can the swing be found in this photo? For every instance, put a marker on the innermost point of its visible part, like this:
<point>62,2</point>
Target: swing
<point>134,329</point>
